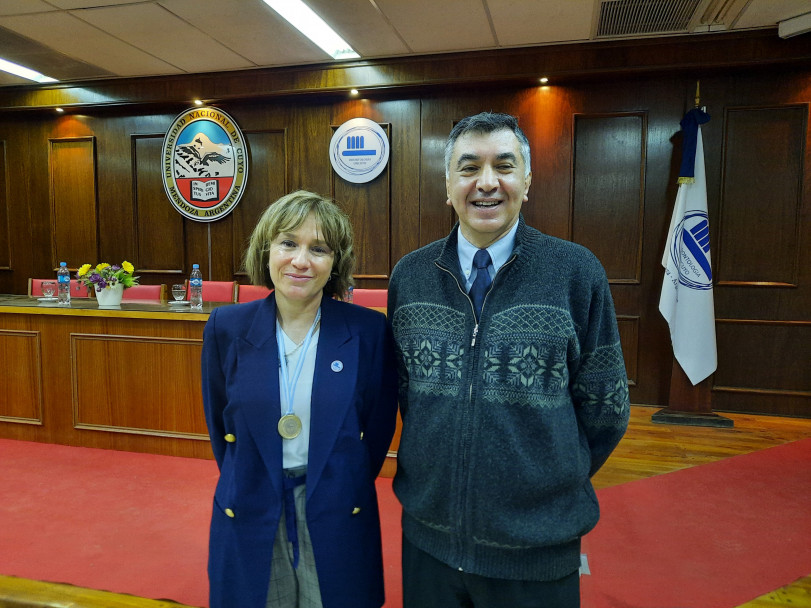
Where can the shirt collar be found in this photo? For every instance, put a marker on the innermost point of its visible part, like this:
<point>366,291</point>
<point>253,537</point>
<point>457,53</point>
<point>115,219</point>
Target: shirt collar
<point>499,251</point>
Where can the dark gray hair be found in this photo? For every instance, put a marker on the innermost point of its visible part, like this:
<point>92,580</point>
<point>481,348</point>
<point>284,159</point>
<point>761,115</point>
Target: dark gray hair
<point>488,122</point>
<point>287,214</point>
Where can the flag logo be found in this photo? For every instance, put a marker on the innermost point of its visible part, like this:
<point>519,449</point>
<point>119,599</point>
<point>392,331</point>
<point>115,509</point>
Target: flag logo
<point>690,250</point>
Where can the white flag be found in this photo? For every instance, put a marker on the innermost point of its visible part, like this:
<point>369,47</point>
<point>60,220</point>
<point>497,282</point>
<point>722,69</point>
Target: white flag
<point>686,301</point>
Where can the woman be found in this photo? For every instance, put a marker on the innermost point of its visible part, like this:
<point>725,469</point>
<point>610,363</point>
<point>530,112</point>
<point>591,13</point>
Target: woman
<point>300,398</point>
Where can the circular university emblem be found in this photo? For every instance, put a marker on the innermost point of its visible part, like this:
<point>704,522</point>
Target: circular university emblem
<point>204,164</point>
<point>359,150</point>
<point>690,250</point>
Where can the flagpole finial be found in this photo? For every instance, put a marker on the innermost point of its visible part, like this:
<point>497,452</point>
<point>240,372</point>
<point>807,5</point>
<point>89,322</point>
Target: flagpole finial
<point>698,95</point>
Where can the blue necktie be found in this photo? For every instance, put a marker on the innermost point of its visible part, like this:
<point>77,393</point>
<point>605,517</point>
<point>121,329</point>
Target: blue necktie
<point>480,286</point>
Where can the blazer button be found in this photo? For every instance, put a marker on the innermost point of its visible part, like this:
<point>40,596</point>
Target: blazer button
<point>230,438</point>
<point>229,513</point>
<point>356,510</point>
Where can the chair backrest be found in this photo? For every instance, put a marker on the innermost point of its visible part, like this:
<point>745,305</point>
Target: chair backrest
<point>145,293</point>
<point>249,293</point>
<point>218,291</point>
<point>370,298</point>
<point>77,290</point>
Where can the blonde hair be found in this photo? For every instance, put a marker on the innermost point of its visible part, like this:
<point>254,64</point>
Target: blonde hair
<point>286,215</point>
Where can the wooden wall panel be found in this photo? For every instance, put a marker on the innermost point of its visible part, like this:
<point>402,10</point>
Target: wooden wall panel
<point>5,251</point>
<point>404,177</point>
<point>159,227</point>
<point>73,200</point>
<point>765,359</point>
<point>267,182</point>
<point>619,206</point>
<point>609,186</point>
<point>21,388</point>
<point>753,349</point>
<point>368,208</point>
<point>103,397</point>
<point>386,221</point>
<point>762,181</point>
<point>629,339</point>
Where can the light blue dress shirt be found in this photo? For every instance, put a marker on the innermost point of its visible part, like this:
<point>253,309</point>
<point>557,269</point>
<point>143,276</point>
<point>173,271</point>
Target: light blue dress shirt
<point>499,253</point>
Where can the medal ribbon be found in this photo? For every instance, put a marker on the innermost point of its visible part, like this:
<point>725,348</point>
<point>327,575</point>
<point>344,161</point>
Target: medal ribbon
<point>289,384</point>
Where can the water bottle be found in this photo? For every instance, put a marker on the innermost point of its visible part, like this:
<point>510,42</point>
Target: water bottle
<point>196,288</point>
<point>63,284</point>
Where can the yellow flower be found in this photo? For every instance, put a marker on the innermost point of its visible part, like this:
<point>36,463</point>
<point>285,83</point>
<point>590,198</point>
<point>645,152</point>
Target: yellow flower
<point>102,266</point>
<point>83,270</point>
<point>128,268</point>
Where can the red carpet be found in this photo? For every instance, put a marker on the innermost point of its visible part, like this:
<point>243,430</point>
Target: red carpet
<point>116,521</point>
<point>713,536</point>
<point>123,522</point>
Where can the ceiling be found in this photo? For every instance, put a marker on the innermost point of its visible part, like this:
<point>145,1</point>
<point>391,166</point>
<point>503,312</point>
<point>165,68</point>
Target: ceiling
<point>73,40</point>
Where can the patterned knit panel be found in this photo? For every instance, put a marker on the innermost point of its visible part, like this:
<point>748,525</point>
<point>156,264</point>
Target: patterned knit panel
<point>432,343</point>
<point>602,383</point>
<point>525,356</point>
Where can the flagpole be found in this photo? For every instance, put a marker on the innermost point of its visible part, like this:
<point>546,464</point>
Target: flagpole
<point>689,405</point>
<point>689,401</point>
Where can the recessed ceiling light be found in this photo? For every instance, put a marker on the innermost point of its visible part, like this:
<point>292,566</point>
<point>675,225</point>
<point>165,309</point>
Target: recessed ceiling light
<point>59,110</point>
<point>544,80</point>
<point>311,25</point>
<point>18,70</point>
<point>197,102</point>
<point>353,92</point>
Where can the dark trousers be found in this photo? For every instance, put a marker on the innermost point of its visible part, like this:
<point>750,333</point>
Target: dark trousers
<point>429,583</point>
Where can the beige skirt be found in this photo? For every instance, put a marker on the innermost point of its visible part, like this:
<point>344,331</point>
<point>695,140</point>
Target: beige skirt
<point>294,587</point>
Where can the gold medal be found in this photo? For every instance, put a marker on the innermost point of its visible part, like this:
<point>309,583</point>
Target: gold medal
<point>289,426</point>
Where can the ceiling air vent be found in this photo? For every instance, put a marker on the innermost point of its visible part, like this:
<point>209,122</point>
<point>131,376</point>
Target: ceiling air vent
<point>642,17</point>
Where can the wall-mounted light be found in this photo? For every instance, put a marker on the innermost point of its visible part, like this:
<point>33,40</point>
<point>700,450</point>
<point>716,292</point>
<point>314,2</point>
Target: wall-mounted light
<point>60,110</point>
<point>353,92</point>
<point>197,102</point>
<point>544,80</point>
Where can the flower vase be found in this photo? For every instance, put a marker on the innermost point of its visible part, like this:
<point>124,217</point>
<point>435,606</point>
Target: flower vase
<point>110,295</point>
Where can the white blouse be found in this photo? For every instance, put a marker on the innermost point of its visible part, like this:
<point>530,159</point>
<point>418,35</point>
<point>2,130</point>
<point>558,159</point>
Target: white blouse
<point>295,451</point>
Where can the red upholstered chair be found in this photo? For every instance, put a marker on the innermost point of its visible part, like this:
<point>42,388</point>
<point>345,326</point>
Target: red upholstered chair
<point>77,290</point>
<point>145,293</point>
<point>248,293</point>
<point>370,298</point>
<point>218,291</point>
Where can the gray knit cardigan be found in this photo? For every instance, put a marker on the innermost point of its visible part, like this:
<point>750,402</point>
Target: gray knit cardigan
<point>505,421</point>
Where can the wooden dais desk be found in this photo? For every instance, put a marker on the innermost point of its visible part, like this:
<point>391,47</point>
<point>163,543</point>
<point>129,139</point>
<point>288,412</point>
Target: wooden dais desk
<point>125,378</point>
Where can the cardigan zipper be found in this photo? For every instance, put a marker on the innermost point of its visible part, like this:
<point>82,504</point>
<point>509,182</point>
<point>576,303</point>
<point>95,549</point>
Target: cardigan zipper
<point>466,435</point>
<point>464,447</point>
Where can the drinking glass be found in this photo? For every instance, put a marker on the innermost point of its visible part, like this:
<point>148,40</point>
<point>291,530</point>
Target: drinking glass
<point>48,288</point>
<point>178,292</point>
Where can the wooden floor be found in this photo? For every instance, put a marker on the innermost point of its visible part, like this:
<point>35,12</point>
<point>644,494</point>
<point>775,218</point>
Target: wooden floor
<point>646,450</point>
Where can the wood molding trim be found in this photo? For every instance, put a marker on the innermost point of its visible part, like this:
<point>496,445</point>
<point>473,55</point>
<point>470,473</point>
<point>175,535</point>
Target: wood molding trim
<point>520,66</point>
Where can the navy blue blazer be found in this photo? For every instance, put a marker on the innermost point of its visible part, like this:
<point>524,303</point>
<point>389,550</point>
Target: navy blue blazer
<point>352,423</point>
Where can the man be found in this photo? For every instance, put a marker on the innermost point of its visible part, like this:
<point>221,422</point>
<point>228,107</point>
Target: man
<point>512,388</point>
